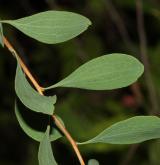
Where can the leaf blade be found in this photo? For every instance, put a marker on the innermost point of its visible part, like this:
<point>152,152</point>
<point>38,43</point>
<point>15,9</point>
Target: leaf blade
<point>32,133</point>
<point>104,73</point>
<point>133,130</point>
<point>51,26</point>
<point>45,155</point>
<point>1,35</point>
<point>31,98</point>
<point>93,162</point>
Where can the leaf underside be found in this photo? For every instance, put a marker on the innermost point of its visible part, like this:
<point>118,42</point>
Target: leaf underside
<point>45,155</point>
<point>30,97</point>
<point>34,134</point>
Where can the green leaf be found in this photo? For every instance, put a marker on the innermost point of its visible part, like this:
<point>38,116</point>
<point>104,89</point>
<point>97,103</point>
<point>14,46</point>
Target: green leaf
<point>103,73</point>
<point>45,155</point>
<point>34,134</point>
<point>134,130</point>
<point>51,26</point>
<point>93,162</point>
<point>1,35</point>
<point>30,97</point>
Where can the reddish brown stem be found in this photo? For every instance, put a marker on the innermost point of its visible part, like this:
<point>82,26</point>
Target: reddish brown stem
<point>70,139</point>
<point>40,90</point>
<point>24,67</point>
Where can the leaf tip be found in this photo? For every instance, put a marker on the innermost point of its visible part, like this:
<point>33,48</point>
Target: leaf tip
<point>93,162</point>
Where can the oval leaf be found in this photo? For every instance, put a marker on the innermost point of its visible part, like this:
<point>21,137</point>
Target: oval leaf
<point>45,155</point>
<point>34,134</point>
<point>30,97</point>
<point>104,73</point>
<point>134,130</point>
<point>51,26</point>
<point>93,162</point>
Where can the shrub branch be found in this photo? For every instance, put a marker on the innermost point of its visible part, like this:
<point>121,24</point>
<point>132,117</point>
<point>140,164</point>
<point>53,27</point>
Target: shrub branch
<point>40,91</point>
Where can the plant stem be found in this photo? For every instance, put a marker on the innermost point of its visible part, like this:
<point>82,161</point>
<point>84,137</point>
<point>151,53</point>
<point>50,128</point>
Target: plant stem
<point>24,67</point>
<point>70,139</point>
<point>148,77</point>
<point>40,91</point>
<point>130,154</point>
<point>124,33</point>
<point>143,53</point>
<point>120,24</point>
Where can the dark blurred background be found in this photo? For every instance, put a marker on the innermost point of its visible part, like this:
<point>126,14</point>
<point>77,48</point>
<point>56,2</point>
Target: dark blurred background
<point>85,113</point>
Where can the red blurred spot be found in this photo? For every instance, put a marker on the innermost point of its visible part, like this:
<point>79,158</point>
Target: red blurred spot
<point>129,101</point>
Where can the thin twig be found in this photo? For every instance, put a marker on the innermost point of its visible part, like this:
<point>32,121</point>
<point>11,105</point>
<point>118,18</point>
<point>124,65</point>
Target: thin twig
<point>122,29</point>
<point>130,154</point>
<point>70,139</point>
<point>118,21</point>
<point>40,90</point>
<point>144,58</point>
<point>24,67</point>
<point>148,77</point>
